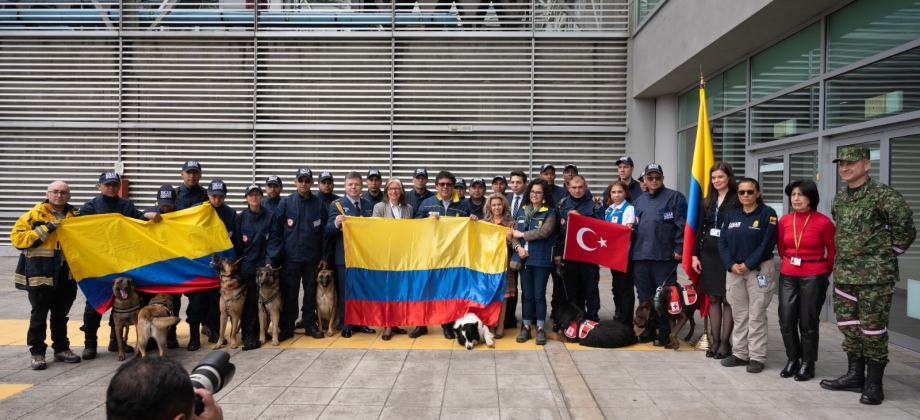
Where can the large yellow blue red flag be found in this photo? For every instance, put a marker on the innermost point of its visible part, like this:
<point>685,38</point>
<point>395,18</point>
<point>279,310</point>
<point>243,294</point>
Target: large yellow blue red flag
<point>171,256</point>
<point>699,188</point>
<point>423,272</point>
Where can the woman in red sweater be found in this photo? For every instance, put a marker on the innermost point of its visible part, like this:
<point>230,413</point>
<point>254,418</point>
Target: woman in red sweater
<point>806,245</point>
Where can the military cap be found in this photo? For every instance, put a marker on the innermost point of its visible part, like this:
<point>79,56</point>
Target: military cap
<point>852,154</point>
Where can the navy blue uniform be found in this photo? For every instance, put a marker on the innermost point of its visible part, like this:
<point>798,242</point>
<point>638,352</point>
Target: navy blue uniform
<point>374,200</point>
<point>479,210</point>
<point>303,239</point>
<point>415,198</point>
<point>748,238</point>
<point>559,193</point>
<point>270,204</point>
<point>580,284</point>
<point>658,234</point>
<point>455,208</point>
<point>251,239</point>
<point>348,209</point>
<point>635,190</point>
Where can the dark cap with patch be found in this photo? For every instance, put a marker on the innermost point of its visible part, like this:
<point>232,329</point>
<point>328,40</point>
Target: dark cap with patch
<point>499,178</point>
<point>166,195</point>
<point>461,183</point>
<point>217,187</point>
<point>420,172</point>
<point>254,187</point>
<point>325,175</point>
<point>373,172</point>
<point>625,159</point>
<point>304,172</point>
<point>571,165</point>
<point>109,178</point>
<point>191,165</point>
<point>653,167</point>
<point>852,154</point>
<point>273,180</point>
<point>479,181</point>
<point>546,166</point>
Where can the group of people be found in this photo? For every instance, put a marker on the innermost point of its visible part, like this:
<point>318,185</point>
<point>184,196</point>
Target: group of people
<point>301,233</point>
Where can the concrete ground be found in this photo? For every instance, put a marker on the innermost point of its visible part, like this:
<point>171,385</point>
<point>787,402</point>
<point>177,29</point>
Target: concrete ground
<point>431,378</point>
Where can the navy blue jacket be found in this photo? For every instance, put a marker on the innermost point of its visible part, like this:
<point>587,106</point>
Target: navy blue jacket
<point>105,205</point>
<point>302,220</point>
<point>327,199</point>
<point>367,195</point>
<point>456,208</point>
<point>479,210</point>
<point>559,192</point>
<point>659,229</point>
<point>585,206</point>
<point>270,205</point>
<point>251,238</point>
<point>228,216</point>
<point>415,198</point>
<point>748,237</point>
<point>540,250</point>
<point>333,231</point>
<point>190,197</point>
<point>635,190</point>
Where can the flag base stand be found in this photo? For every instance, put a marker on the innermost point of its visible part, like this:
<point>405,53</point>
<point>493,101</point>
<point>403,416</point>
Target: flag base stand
<point>704,341</point>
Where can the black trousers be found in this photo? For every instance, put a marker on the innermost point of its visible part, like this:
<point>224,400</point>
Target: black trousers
<point>250,319</point>
<point>293,275</point>
<point>340,292</point>
<point>91,322</point>
<point>56,300</point>
<point>511,305</point>
<point>564,288</point>
<point>585,277</point>
<point>624,294</point>
<point>213,315</point>
<point>800,301</point>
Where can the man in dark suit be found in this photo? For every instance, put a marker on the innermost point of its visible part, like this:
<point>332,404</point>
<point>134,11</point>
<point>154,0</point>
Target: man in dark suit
<point>355,205</point>
<point>516,200</point>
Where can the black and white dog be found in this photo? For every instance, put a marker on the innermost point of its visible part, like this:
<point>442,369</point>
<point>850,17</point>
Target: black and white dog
<point>604,334</point>
<point>470,329</point>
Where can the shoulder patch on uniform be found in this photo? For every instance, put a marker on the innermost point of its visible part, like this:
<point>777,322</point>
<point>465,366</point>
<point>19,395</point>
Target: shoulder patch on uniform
<point>772,220</point>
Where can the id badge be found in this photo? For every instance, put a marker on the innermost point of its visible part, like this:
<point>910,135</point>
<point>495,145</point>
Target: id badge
<point>796,261</point>
<point>762,280</point>
<point>715,232</point>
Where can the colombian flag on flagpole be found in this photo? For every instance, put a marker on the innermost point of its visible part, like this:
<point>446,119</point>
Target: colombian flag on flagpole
<point>423,271</point>
<point>699,188</point>
<point>171,256</point>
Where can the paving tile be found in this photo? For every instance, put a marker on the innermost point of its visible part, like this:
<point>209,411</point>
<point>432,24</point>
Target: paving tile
<point>879,412</point>
<point>415,397</point>
<point>463,397</point>
<point>686,398</point>
<point>587,413</point>
<point>527,413</point>
<point>465,381</point>
<point>468,413</point>
<point>646,413</point>
<point>816,411</point>
<point>604,381</point>
<point>384,380</point>
<point>252,395</point>
<point>378,367</point>
<point>622,398</point>
<point>410,413</point>
<point>522,382</point>
<point>333,412</point>
<point>421,381</point>
<point>360,397</point>
<point>242,411</point>
<point>292,412</point>
<point>508,398</point>
<point>295,395</point>
<point>97,413</point>
<point>710,413</point>
<point>523,367</point>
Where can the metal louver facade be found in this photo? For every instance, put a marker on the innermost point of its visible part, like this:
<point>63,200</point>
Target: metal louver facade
<point>479,99</point>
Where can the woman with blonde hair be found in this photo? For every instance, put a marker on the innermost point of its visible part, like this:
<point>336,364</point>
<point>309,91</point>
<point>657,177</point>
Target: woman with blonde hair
<point>498,211</point>
<point>395,205</point>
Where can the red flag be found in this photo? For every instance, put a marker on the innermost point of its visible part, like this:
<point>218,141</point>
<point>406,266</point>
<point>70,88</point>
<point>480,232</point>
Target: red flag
<point>597,241</point>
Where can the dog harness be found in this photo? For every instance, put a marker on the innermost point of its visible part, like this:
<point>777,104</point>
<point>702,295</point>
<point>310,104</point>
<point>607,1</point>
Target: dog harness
<point>264,303</point>
<point>238,295</point>
<point>680,296</point>
<point>169,312</point>
<point>124,311</point>
<point>580,327</point>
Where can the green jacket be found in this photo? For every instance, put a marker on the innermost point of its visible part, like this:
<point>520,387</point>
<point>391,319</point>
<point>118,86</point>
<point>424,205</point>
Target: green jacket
<point>874,226</point>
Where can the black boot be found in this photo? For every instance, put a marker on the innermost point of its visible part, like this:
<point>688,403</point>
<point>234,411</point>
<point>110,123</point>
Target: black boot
<point>194,338</point>
<point>853,380</point>
<point>873,394</point>
<point>648,334</point>
<point>113,345</point>
<point>171,341</point>
<point>806,372</point>
<point>791,367</point>
<point>89,350</point>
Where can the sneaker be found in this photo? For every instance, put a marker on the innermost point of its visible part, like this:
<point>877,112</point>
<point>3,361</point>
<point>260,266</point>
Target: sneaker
<point>66,356</point>
<point>541,337</point>
<point>732,361</point>
<point>38,362</point>
<point>755,367</point>
<point>524,335</point>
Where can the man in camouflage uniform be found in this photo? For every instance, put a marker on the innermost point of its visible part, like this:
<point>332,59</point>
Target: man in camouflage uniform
<point>874,226</point>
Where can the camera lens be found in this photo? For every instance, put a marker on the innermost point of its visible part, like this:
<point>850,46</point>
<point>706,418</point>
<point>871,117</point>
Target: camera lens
<point>213,372</point>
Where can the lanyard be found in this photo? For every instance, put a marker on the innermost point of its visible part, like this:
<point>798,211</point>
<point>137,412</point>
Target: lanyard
<point>797,238</point>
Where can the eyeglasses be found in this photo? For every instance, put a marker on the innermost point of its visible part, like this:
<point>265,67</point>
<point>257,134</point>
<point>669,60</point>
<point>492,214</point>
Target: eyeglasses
<point>303,180</point>
<point>747,192</point>
<point>653,178</point>
<point>56,192</point>
<point>536,193</point>
<point>445,184</point>
<point>392,189</point>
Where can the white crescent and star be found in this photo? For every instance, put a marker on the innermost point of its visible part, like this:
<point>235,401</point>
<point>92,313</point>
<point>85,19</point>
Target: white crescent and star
<point>579,237</point>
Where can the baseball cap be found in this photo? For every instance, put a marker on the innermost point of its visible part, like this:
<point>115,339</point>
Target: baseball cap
<point>852,154</point>
<point>191,165</point>
<point>652,167</point>
<point>420,172</point>
<point>166,195</point>
<point>273,179</point>
<point>254,187</point>
<point>545,166</point>
<point>325,175</point>
<point>480,181</point>
<point>460,182</point>
<point>499,177</point>
<point>625,159</point>
<point>109,177</point>
<point>373,172</point>
<point>217,187</point>
<point>571,165</point>
<point>303,172</point>
<point>642,175</point>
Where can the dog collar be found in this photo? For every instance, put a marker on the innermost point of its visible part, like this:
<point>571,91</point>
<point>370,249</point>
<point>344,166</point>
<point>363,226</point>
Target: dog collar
<point>124,311</point>
<point>169,311</point>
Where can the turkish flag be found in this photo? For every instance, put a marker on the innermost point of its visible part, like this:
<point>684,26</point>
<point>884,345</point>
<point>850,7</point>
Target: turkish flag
<point>597,241</point>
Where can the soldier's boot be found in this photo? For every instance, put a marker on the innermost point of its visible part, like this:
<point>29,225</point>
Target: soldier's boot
<point>194,339</point>
<point>172,341</point>
<point>873,394</point>
<point>113,344</point>
<point>853,380</point>
<point>89,350</point>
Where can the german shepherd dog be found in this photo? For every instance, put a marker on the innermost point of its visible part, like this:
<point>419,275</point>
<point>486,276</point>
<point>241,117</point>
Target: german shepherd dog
<point>125,307</point>
<point>575,328</point>
<point>154,321</point>
<point>232,297</point>
<point>676,322</point>
<point>326,300</point>
<point>270,300</point>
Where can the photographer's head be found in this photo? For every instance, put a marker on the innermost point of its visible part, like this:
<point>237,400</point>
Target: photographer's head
<point>151,388</point>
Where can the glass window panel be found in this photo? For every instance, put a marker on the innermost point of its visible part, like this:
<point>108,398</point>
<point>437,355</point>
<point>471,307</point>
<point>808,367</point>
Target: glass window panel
<point>770,175</point>
<point>728,141</point>
<point>735,86</point>
<point>905,306</point>
<point>714,99</point>
<point>789,115</point>
<point>868,27</point>
<point>803,166</point>
<point>686,140</point>
<point>791,61</point>
<point>643,8</point>
<point>688,105</point>
<point>879,90</point>
<point>874,156</point>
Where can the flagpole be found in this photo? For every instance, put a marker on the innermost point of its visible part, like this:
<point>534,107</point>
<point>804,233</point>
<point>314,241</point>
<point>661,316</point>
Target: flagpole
<point>704,341</point>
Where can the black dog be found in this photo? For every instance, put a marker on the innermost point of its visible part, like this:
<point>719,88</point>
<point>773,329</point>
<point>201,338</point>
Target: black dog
<point>604,334</point>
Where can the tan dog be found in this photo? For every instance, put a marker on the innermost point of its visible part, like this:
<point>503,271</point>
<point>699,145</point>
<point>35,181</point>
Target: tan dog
<point>125,307</point>
<point>153,321</point>
<point>326,300</point>
<point>232,297</point>
<point>270,300</point>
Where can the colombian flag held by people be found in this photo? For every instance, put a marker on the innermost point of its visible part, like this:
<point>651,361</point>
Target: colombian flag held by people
<point>699,188</point>
<point>171,256</point>
<point>423,272</point>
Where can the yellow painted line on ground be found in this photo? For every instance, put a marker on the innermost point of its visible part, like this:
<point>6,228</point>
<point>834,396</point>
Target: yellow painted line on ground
<point>8,390</point>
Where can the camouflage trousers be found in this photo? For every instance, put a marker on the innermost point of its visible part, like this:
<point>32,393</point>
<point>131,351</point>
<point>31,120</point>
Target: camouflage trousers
<point>862,316</point>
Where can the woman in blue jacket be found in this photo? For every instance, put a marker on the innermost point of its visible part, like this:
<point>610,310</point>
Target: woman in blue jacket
<point>533,240</point>
<point>746,247</point>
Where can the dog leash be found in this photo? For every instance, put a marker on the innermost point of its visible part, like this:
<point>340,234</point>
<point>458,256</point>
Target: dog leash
<point>658,290</point>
